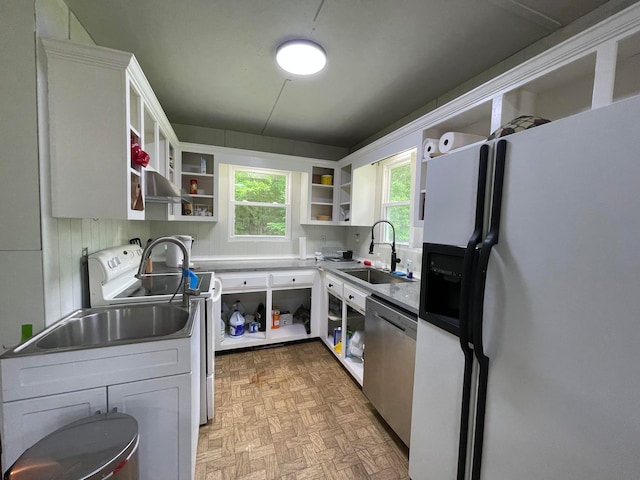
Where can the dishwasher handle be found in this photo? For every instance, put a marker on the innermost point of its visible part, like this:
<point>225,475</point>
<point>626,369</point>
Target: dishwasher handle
<point>403,321</point>
<point>400,327</point>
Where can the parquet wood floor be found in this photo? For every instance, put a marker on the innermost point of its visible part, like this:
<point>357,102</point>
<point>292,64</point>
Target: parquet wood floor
<point>293,413</point>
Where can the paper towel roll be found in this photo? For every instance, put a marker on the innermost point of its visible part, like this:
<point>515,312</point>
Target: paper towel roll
<point>302,247</point>
<point>430,147</point>
<point>451,140</point>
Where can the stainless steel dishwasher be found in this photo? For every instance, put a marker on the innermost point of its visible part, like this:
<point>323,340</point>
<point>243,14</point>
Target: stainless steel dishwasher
<point>390,351</point>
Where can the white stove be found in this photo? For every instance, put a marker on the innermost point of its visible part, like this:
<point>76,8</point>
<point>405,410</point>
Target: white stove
<point>112,281</point>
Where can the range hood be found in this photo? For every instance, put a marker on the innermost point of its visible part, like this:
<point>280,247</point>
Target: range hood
<point>161,190</point>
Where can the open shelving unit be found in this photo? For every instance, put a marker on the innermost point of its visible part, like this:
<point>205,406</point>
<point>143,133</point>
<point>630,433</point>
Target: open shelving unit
<point>253,289</point>
<point>591,70</point>
<point>198,178</point>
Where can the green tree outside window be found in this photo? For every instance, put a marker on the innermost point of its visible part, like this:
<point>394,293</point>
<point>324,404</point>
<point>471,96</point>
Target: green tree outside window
<point>396,202</point>
<point>260,203</point>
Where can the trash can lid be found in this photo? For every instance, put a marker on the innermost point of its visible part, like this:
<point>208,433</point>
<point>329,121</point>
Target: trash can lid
<point>88,448</point>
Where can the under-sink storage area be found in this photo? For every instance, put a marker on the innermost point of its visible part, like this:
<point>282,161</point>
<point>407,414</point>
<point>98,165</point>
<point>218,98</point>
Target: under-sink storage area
<point>277,307</point>
<point>343,326</point>
<point>250,305</point>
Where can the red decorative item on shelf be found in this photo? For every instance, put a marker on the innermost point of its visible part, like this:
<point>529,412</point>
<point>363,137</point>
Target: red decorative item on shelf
<point>138,156</point>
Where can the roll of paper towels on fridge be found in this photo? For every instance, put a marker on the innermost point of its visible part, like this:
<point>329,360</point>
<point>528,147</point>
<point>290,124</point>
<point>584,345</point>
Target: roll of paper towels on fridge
<point>430,147</point>
<point>302,247</point>
<point>451,140</point>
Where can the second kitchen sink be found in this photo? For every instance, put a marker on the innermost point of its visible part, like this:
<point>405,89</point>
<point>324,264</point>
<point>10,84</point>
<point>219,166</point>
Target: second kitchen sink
<point>371,275</point>
<point>115,325</point>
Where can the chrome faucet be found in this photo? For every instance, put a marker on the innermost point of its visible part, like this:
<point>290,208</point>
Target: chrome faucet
<point>187,291</point>
<point>394,259</point>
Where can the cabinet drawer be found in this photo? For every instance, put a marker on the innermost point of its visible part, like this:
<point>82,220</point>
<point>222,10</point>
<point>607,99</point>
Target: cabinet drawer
<point>242,281</point>
<point>355,297</point>
<point>333,285</point>
<point>292,278</point>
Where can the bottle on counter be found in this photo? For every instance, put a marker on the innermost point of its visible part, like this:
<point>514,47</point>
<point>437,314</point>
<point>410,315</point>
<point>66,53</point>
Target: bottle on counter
<point>409,269</point>
<point>378,262</point>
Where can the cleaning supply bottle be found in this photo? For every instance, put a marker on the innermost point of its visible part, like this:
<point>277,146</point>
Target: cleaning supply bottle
<point>236,323</point>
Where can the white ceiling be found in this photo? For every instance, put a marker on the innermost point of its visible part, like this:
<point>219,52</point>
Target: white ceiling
<point>211,62</point>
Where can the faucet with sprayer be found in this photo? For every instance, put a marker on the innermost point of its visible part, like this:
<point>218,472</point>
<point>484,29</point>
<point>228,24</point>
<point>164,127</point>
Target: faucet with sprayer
<point>394,259</point>
<point>188,276</point>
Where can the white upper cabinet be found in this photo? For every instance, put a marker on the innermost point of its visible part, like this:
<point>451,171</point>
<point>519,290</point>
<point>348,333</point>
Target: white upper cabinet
<point>318,193</point>
<point>100,105</point>
<point>357,192</point>
<point>197,175</point>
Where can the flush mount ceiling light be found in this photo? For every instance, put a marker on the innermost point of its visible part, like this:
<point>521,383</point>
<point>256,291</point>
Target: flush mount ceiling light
<point>301,57</point>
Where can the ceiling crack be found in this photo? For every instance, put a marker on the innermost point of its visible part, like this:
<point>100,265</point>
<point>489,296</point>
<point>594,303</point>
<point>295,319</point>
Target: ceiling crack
<point>266,123</point>
<point>318,11</point>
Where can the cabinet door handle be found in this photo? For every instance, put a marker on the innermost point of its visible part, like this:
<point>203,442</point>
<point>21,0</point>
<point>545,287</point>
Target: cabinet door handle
<point>293,280</point>
<point>351,297</point>
<point>244,283</point>
<point>331,285</point>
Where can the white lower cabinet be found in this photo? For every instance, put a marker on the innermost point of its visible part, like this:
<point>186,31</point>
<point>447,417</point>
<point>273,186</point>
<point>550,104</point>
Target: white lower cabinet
<point>26,422</point>
<point>162,408</point>
<point>286,291</point>
<point>155,382</point>
<point>345,312</point>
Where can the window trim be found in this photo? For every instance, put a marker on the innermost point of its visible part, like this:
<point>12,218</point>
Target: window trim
<point>388,164</point>
<point>232,204</point>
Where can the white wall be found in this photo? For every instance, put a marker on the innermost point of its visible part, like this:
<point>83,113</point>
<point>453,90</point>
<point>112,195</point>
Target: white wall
<point>63,239</point>
<point>212,239</point>
<point>21,283</point>
<point>39,255</point>
<point>262,143</point>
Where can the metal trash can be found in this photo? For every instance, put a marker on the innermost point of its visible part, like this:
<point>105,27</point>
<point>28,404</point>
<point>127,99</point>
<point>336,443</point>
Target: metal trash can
<point>96,447</point>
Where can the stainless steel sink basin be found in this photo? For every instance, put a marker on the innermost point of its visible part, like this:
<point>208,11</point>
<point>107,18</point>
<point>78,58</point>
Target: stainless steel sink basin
<point>371,275</point>
<point>115,325</point>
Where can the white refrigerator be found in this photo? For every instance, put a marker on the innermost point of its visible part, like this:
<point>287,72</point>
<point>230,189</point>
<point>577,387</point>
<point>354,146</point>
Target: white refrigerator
<point>528,342</point>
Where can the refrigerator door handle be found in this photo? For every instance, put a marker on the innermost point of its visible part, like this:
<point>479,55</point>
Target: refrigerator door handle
<point>465,318</point>
<point>478,302</point>
<point>470,254</point>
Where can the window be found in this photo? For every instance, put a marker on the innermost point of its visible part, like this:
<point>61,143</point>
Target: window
<point>260,203</point>
<point>396,195</point>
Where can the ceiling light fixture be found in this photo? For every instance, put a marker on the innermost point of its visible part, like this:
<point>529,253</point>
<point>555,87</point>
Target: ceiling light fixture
<point>301,57</point>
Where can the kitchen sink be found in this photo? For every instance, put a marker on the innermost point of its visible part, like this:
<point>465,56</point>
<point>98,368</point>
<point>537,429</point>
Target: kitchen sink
<point>114,325</point>
<point>371,275</point>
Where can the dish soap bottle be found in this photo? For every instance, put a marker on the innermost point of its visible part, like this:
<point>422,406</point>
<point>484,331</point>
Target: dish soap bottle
<point>378,262</point>
<point>409,269</point>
